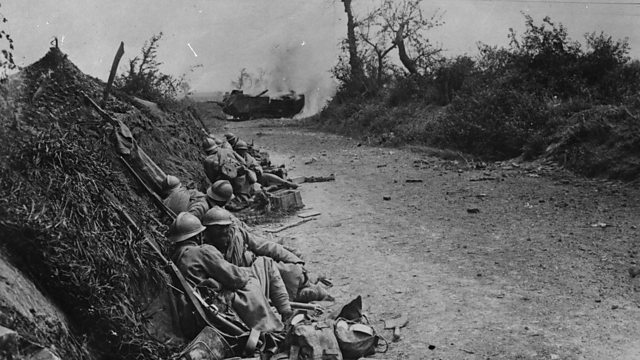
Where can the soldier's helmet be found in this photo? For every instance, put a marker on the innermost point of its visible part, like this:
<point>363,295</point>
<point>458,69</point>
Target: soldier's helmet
<point>217,216</point>
<point>169,183</point>
<point>184,227</point>
<point>231,138</point>
<point>241,145</point>
<point>208,145</point>
<point>221,190</point>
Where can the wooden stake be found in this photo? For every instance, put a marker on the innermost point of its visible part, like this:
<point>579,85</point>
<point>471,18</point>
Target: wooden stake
<point>112,74</point>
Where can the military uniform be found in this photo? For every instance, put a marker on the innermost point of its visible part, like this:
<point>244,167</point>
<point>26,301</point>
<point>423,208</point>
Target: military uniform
<point>245,248</point>
<point>204,264</point>
<point>182,199</point>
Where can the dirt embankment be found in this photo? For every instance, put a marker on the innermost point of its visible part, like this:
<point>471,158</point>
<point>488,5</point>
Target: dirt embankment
<point>63,197</point>
<point>490,261</point>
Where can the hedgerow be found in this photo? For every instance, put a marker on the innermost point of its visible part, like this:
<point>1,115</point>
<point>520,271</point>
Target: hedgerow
<point>502,103</point>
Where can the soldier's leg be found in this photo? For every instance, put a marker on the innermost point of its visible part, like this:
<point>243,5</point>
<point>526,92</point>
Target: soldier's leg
<point>274,288</point>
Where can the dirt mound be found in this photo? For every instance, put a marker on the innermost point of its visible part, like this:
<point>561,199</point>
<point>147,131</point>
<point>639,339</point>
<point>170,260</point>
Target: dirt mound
<point>62,226</point>
<point>602,141</point>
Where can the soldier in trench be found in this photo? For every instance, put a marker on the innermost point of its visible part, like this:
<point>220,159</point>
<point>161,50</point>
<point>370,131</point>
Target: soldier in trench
<point>219,194</point>
<point>265,179</point>
<point>242,248</point>
<point>177,197</point>
<point>225,164</point>
<point>249,289</point>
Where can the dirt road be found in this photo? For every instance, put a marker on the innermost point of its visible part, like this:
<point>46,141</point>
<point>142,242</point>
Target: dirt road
<point>501,262</point>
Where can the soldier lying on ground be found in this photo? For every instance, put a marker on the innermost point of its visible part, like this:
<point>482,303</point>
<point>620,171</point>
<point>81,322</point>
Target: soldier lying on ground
<point>247,288</point>
<point>222,142</point>
<point>231,139</point>
<point>267,180</point>
<point>261,157</point>
<point>177,197</point>
<point>242,248</point>
<point>226,164</point>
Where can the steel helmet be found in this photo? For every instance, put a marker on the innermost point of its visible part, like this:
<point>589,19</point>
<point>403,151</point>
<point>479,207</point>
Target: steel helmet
<point>209,145</point>
<point>216,139</point>
<point>231,138</point>
<point>184,227</point>
<point>217,216</point>
<point>221,190</point>
<point>170,182</point>
<point>241,145</point>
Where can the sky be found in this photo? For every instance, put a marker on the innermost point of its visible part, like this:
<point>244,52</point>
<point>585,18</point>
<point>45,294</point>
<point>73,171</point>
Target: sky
<point>294,42</point>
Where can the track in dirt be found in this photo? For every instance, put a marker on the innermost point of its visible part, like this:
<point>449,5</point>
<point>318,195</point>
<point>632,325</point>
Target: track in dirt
<point>528,276</point>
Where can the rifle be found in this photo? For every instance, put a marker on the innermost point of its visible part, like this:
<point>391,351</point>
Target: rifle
<point>192,294</point>
<point>217,320</point>
<point>153,194</point>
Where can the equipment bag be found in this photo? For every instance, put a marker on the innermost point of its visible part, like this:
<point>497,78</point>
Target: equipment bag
<point>356,340</point>
<point>208,345</point>
<point>314,340</point>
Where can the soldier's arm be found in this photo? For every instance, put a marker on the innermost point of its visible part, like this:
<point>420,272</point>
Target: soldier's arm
<point>198,205</point>
<point>228,275</point>
<point>253,164</point>
<point>211,168</point>
<point>270,249</point>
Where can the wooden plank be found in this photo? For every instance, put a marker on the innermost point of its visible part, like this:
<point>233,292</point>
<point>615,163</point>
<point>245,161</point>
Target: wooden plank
<point>289,226</point>
<point>308,214</point>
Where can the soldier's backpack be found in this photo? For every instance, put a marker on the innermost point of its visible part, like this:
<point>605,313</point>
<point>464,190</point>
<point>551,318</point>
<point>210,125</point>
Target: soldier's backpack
<point>314,340</point>
<point>222,165</point>
<point>357,340</point>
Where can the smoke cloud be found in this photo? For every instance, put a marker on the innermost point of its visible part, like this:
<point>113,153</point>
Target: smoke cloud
<point>291,67</point>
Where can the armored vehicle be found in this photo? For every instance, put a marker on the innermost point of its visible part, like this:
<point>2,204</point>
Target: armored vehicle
<point>245,107</point>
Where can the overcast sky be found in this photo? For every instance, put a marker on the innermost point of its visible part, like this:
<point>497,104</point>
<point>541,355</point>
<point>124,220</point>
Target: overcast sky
<point>300,37</point>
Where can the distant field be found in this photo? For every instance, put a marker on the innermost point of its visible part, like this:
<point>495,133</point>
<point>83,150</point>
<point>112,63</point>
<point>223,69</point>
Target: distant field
<point>206,96</point>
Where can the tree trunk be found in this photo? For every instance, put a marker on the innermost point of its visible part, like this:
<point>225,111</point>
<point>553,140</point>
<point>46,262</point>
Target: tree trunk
<point>402,51</point>
<point>380,64</point>
<point>357,74</point>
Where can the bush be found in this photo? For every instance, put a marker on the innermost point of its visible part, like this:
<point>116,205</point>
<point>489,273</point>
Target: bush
<point>493,123</point>
<point>144,78</point>
<point>509,101</point>
<point>450,77</point>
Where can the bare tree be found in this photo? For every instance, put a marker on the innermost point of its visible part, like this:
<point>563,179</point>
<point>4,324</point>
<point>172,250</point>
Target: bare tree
<point>244,78</point>
<point>355,63</point>
<point>380,48</point>
<point>249,81</point>
<point>402,25</point>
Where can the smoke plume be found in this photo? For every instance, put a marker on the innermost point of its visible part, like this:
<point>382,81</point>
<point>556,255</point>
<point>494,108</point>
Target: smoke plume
<point>292,67</point>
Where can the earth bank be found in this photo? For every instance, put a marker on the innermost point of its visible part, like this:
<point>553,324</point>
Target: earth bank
<point>65,202</point>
